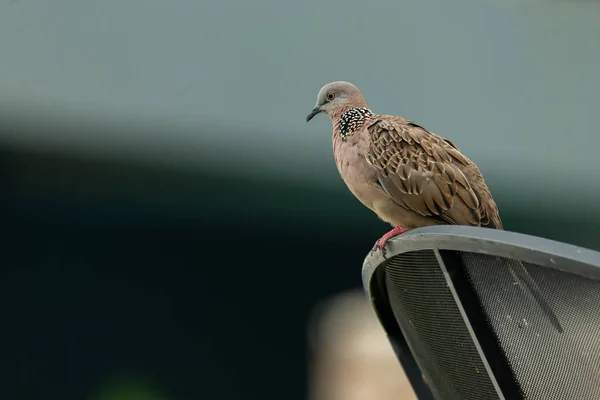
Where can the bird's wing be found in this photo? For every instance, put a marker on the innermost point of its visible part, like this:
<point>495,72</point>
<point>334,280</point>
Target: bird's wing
<point>427,174</point>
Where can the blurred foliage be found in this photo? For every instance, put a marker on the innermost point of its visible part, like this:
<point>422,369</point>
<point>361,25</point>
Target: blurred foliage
<point>127,387</point>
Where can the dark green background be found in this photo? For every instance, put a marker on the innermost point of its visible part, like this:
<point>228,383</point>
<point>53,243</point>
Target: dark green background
<point>193,284</point>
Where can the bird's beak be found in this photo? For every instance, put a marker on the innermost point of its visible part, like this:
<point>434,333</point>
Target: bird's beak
<point>314,112</point>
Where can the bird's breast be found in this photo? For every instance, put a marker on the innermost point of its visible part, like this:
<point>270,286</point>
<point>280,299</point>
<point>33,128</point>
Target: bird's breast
<point>352,164</point>
<point>348,153</point>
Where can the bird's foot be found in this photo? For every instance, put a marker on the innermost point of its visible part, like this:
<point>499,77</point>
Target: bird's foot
<point>380,244</point>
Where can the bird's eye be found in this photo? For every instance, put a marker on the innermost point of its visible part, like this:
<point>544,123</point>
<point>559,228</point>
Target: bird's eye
<point>330,96</point>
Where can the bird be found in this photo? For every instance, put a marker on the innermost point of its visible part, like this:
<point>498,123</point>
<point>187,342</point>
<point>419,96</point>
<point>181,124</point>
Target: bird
<point>407,175</point>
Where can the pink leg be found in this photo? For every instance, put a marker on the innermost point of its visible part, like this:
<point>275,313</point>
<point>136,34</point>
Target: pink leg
<point>380,244</point>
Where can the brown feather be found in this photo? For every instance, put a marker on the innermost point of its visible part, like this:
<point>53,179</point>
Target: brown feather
<point>428,174</point>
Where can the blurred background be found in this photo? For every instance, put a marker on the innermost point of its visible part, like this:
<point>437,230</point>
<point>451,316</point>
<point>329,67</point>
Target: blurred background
<point>174,229</point>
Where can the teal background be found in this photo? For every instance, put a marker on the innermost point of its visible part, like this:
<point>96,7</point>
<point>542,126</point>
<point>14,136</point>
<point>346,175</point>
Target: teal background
<point>170,218</point>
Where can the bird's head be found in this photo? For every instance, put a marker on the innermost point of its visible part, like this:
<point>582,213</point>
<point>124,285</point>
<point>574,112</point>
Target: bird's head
<point>335,98</point>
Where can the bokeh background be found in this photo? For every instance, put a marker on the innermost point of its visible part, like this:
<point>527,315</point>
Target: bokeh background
<point>174,229</point>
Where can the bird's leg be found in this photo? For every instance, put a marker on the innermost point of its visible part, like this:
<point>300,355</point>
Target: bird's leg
<point>380,244</point>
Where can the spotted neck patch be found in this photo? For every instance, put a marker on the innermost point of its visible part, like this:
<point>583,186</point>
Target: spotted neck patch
<point>352,120</point>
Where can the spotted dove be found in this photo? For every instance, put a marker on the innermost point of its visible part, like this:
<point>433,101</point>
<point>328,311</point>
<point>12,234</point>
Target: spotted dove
<point>409,176</point>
